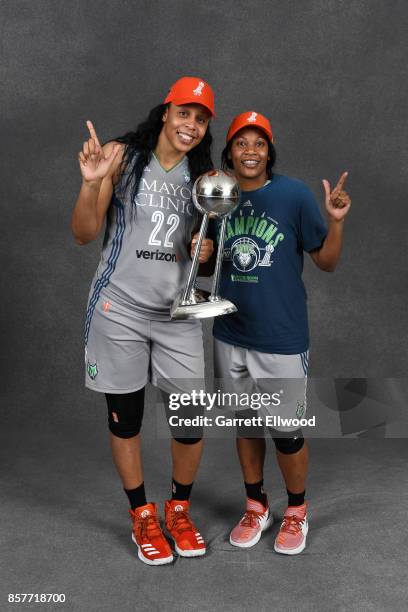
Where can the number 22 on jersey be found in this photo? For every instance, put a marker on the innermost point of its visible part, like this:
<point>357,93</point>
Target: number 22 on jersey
<point>158,218</point>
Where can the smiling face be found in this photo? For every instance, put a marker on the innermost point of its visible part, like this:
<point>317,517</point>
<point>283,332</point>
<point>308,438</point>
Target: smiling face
<point>249,156</point>
<point>184,126</point>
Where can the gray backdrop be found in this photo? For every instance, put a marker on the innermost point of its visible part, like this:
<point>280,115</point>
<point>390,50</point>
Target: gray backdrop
<point>331,76</point>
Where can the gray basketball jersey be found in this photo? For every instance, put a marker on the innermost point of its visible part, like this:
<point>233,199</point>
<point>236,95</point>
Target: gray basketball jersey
<point>144,261</point>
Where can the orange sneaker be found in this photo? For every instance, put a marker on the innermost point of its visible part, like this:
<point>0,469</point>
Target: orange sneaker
<point>187,539</point>
<point>153,547</point>
<point>291,539</point>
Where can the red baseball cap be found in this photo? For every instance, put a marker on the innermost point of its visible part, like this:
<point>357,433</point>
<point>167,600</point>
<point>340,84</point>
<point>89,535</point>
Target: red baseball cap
<point>248,119</point>
<point>191,90</point>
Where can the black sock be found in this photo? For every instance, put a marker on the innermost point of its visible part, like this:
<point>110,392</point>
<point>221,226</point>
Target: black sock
<point>180,491</point>
<point>296,499</point>
<point>256,492</point>
<point>137,497</point>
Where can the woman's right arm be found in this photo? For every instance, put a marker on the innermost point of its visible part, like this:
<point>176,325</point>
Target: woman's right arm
<point>99,168</point>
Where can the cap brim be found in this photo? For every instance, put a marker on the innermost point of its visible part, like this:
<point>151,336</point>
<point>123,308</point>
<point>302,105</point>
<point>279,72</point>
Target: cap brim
<point>253,125</point>
<point>181,101</point>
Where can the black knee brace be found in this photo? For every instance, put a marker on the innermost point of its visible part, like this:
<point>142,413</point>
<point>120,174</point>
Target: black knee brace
<point>188,440</point>
<point>289,446</point>
<point>125,413</point>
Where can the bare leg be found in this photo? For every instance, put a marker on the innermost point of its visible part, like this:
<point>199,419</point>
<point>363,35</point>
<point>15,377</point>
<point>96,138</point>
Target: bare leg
<point>186,459</point>
<point>294,469</point>
<point>251,452</point>
<point>126,453</point>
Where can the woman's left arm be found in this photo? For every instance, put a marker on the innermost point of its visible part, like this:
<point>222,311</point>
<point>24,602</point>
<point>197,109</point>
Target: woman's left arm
<point>337,204</point>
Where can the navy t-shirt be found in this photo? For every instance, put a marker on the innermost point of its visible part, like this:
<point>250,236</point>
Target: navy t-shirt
<point>263,264</point>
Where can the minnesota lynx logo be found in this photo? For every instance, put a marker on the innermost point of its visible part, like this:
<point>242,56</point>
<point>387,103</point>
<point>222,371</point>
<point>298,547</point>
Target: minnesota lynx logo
<point>300,410</point>
<point>252,117</point>
<point>199,89</point>
<point>92,369</point>
<point>245,254</point>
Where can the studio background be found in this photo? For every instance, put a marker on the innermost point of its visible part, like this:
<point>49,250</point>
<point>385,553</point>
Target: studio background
<point>331,76</point>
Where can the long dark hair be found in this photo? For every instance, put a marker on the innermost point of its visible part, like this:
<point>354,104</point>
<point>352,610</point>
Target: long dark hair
<point>226,161</point>
<point>141,143</point>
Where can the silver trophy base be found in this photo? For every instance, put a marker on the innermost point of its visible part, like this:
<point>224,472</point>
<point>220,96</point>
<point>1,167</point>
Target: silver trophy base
<point>198,307</point>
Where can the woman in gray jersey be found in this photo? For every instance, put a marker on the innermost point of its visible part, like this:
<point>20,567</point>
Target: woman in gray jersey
<point>141,185</point>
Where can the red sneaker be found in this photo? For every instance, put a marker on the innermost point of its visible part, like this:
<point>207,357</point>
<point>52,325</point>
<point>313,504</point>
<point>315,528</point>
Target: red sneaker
<point>153,547</point>
<point>291,539</point>
<point>187,539</point>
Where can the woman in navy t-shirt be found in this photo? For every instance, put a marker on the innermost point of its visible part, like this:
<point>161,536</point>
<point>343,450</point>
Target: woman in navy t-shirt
<point>267,338</point>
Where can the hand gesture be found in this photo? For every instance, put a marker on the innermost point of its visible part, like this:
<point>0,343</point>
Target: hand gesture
<point>338,201</point>
<point>93,163</point>
<point>207,248</point>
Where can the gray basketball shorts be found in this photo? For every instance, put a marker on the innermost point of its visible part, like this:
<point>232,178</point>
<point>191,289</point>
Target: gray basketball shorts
<point>124,352</point>
<point>247,372</point>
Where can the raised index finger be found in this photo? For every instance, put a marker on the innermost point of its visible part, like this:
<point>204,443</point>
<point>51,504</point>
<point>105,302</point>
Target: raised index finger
<point>341,182</point>
<point>92,132</point>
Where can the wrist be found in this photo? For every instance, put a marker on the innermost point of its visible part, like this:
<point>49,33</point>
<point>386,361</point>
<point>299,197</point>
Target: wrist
<point>336,222</point>
<point>92,185</point>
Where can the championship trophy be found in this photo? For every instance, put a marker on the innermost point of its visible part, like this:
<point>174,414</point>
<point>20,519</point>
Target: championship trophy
<point>215,195</point>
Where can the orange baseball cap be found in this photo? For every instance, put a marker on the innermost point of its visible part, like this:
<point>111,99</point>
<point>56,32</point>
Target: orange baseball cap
<point>191,90</point>
<point>248,119</point>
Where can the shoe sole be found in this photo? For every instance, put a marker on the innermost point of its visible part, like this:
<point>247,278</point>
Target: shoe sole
<point>189,553</point>
<point>293,551</point>
<point>255,540</point>
<point>161,561</point>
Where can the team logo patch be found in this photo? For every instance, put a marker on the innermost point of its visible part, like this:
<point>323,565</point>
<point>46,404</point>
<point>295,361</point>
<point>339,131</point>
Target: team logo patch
<point>245,254</point>
<point>252,117</point>
<point>300,410</point>
<point>92,369</point>
<point>199,89</point>
<point>145,513</point>
<point>178,508</point>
